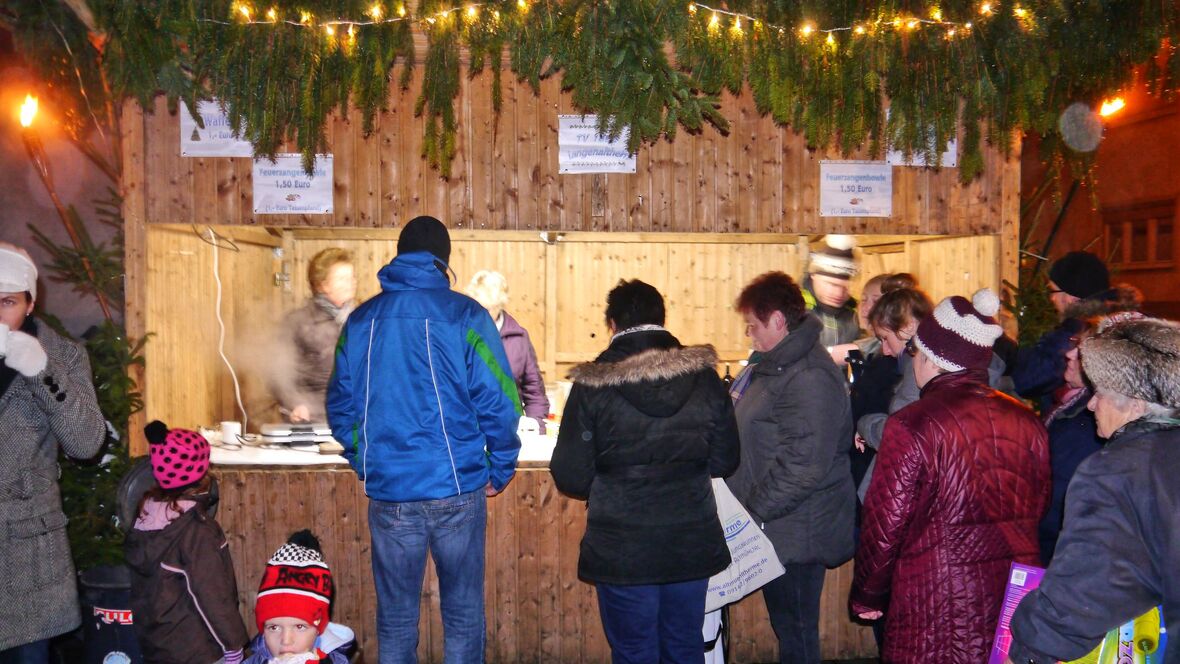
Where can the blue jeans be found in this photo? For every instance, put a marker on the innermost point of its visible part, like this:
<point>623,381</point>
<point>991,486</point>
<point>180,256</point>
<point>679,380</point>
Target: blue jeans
<point>792,600</point>
<point>36,652</point>
<point>654,624</point>
<point>452,530</point>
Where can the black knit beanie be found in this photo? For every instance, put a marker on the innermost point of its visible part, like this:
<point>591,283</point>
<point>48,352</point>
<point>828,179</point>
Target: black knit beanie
<point>425,233</point>
<point>1081,274</point>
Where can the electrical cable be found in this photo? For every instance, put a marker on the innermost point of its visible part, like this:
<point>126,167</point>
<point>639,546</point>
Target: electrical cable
<point>221,337</point>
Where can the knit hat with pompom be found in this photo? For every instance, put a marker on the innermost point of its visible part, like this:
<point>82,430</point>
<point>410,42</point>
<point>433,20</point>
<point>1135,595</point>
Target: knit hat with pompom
<point>296,584</point>
<point>959,334</point>
<point>179,457</point>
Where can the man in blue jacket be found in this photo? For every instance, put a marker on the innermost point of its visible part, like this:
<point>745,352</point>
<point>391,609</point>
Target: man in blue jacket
<point>423,400</point>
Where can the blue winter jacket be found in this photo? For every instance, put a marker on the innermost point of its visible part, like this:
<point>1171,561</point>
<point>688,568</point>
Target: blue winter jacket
<point>422,396</point>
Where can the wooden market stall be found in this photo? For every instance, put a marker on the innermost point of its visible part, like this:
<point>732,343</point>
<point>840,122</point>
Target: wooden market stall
<point>702,215</point>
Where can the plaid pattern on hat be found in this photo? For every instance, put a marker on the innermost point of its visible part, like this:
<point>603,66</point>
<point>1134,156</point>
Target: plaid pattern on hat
<point>835,258</point>
<point>179,457</point>
<point>959,334</point>
<point>297,583</point>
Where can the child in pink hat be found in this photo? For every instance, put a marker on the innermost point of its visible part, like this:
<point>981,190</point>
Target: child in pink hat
<point>184,598</point>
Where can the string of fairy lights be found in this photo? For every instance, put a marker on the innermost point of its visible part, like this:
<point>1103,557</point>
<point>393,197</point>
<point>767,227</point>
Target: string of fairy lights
<point>378,14</point>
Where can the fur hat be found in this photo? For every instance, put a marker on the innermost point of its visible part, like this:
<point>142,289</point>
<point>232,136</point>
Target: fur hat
<point>18,273</point>
<point>1136,358</point>
<point>1081,274</point>
<point>296,584</point>
<point>835,258</point>
<point>179,457</point>
<point>425,233</point>
<point>959,334</point>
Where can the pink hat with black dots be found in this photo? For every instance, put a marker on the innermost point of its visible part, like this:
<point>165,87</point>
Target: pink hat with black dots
<point>179,457</point>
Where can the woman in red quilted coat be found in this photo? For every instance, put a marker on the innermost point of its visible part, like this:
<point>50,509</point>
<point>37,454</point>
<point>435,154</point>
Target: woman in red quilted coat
<point>955,499</point>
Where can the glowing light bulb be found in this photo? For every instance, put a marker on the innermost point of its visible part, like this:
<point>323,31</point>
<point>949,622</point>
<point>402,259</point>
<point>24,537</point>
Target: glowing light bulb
<point>523,5</point>
<point>331,30</point>
<point>472,12</point>
<point>244,10</point>
<point>351,33</point>
<point>737,24</point>
<point>304,18</point>
<point>714,20</point>
<point>28,111</point>
<point>807,29</point>
<point>272,14</point>
<point>375,12</point>
<point>936,14</point>
<point>912,24</point>
<point>692,8</point>
<point>830,40</point>
<point>985,9</point>
<point>1112,106</point>
<point>1019,11</point>
<point>950,33</point>
<point>860,29</point>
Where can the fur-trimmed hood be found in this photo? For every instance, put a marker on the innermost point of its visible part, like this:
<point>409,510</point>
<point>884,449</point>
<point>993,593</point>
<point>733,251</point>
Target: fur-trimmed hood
<point>650,365</point>
<point>657,381</point>
<point>1123,297</point>
<point>1138,358</point>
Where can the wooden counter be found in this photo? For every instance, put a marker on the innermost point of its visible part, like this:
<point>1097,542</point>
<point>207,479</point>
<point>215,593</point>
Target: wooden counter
<point>538,610</point>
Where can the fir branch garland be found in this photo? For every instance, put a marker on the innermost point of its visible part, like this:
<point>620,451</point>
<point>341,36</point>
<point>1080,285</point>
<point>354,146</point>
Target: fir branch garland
<point>648,66</point>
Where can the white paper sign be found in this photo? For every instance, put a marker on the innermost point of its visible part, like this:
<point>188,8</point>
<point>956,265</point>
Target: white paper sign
<point>855,189</point>
<point>215,140</point>
<point>282,186</point>
<point>950,157</point>
<point>581,149</point>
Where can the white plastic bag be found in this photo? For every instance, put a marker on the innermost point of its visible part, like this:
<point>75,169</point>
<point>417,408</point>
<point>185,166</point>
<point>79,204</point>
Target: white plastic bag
<point>754,561</point>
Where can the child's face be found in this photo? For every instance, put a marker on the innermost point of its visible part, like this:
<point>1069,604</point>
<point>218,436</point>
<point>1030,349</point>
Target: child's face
<point>288,635</point>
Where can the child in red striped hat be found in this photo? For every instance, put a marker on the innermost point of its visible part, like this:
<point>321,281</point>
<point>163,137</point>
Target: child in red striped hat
<point>292,608</point>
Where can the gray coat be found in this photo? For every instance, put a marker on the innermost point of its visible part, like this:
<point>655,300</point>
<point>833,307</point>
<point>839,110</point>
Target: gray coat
<point>308,337</point>
<point>38,594</point>
<point>795,425</point>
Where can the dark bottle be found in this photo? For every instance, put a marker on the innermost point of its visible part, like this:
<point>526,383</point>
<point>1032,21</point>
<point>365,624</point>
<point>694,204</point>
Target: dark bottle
<point>727,378</point>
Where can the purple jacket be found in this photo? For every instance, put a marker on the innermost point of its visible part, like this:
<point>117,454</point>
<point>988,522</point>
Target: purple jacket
<point>523,359</point>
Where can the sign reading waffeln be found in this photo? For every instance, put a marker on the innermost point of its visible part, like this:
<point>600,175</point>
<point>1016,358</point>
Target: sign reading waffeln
<point>215,140</point>
<point>581,149</point>
<point>283,187</point>
<point>855,189</point>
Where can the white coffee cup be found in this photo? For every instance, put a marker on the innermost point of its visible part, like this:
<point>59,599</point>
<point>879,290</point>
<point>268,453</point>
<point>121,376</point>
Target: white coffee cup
<point>230,431</point>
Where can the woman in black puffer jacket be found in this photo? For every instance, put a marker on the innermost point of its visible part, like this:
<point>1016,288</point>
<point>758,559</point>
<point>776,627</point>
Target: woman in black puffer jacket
<point>646,425</point>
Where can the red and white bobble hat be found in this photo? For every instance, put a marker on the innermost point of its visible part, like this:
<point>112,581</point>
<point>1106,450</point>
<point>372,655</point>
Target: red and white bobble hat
<point>179,457</point>
<point>959,334</point>
<point>296,584</point>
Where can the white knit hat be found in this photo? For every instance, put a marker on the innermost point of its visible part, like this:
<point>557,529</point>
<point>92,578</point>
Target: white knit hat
<point>959,334</point>
<point>17,271</point>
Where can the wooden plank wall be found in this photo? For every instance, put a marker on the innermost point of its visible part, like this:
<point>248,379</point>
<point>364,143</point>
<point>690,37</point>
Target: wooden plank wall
<point>760,178</point>
<point>943,266</point>
<point>537,609</point>
<point>187,384</point>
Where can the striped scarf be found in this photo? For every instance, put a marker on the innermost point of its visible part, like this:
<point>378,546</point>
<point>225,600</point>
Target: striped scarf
<point>744,377</point>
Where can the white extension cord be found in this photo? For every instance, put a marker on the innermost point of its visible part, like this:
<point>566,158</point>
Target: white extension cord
<point>221,337</point>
